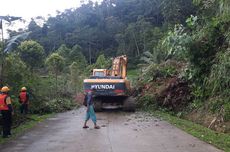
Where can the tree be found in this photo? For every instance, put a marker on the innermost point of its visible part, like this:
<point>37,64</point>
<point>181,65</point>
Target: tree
<point>15,40</point>
<point>102,62</point>
<point>37,32</point>
<point>75,74</point>
<point>55,64</point>
<point>64,51</point>
<point>75,55</point>
<point>176,11</point>
<point>31,53</point>
<point>15,69</point>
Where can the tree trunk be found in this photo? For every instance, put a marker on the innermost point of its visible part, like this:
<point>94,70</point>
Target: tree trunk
<point>2,59</point>
<point>90,56</point>
<point>138,50</point>
<point>56,83</point>
<point>1,74</point>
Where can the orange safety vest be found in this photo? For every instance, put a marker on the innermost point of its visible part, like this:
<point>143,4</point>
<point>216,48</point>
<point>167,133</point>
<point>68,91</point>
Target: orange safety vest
<point>23,97</point>
<point>3,105</point>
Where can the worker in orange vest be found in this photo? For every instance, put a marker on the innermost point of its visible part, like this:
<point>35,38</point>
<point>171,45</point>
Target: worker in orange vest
<point>24,100</point>
<point>6,111</point>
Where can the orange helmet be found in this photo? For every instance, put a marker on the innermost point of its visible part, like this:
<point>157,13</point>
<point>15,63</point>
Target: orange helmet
<point>23,89</point>
<point>5,89</point>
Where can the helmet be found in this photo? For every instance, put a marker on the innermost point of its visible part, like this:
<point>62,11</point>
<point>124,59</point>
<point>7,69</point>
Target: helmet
<point>5,89</point>
<point>23,89</point>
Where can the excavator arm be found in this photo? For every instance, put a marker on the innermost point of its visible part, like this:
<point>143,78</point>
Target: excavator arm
<point>119,67</point>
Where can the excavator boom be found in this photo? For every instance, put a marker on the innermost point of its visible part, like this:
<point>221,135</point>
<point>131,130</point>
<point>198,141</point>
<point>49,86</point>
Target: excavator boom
<point>119,67</point>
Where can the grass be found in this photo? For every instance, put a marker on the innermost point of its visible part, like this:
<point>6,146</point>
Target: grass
<point>34,119</point>
<point>132,75</point>
<point>220,140</point>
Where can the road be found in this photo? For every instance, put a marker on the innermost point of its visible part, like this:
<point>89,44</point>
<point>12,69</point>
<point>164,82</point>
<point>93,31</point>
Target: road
<point>120,132</point>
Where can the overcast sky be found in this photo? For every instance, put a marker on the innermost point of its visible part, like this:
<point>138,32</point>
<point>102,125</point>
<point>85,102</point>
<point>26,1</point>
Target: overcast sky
<point>33,8</point>
<point>28,9</point>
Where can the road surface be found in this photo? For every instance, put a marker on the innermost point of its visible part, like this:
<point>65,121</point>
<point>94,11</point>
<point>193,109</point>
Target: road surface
<point>120,132</point>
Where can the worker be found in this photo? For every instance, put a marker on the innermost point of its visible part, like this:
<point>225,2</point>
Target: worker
<point>24,100</point>
<point>90,114</point>
<point>6,111</point>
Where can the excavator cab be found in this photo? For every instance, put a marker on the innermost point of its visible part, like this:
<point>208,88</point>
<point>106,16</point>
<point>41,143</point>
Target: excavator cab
<point>100,72</point>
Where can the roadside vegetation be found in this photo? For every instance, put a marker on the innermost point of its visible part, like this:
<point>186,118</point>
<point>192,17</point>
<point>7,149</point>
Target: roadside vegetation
<point>28,123</point>
<point>192,79</point>
<point>220,140</point>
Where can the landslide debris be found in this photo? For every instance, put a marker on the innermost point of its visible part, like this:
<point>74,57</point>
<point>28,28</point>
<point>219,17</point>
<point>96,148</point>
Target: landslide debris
<point>166,88</point>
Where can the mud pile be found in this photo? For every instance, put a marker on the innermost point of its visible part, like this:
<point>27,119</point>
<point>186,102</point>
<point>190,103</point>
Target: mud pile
<point>167,88</point>
<point>175,96</point>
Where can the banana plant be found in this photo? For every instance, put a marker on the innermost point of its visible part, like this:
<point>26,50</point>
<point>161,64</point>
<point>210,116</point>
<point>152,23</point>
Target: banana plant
<point>11,43</point>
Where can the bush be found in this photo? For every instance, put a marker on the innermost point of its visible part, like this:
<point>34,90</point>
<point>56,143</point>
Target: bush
<point>219,80</point>
<point>227,111</point>
<point>51,106</point>
<point>147,101</point>
<point>163,70</point>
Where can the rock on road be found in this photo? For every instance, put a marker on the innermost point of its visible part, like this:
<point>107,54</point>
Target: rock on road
<point>120,132</point>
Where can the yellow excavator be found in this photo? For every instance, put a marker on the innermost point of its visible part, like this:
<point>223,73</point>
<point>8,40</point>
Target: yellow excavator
<point>111,87</point>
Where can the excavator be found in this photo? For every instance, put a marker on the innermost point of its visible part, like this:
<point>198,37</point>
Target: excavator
<point>111,87</point>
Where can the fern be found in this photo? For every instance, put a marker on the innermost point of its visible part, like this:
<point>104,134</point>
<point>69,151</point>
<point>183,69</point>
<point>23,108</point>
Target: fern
<point>224,6</point>
<point>219,79</point>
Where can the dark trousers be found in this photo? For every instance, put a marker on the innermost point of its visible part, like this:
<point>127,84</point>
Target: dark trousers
<point>6,122</point>
<point>24,108</point>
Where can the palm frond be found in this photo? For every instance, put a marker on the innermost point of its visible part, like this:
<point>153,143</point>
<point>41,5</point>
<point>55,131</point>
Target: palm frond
<point>16,40</point>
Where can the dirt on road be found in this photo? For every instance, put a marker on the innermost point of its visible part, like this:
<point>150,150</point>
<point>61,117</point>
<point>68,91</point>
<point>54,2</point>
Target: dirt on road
<point>120,132</point>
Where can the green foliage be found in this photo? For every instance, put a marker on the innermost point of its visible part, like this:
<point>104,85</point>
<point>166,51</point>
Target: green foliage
<point>204,47</point>
<point>55,63</point>
<point>227,111</point>
<point>147,101</point>
<point>31,53</point>
<point>149,58</point>
<point>188,72</point>
<point>76,75</point>
<point>54,105</point>
<point>217,103</point>
<point>150,73</point>
<point>219,83</point>
<point>220,140</point>
<point>15,69</point>
<point>102,62</point>
<point>219,79</point>
<point>224,6</point>
<point>71,56</point>
<point>198,95</point>
<point>155,71</point>
<point>133,75</point>
<point>176,11</point>
<point>75,55</point>
<point>176,42</point>
<point>27,124</point>
<point>45,97</point>
<point>64,51</point>
<point>192,21</point>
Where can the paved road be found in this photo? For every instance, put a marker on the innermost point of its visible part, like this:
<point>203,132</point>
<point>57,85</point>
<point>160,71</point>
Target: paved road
<point>120,132</point>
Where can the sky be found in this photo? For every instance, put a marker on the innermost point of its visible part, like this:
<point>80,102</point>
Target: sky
<point>32,8</point>
<point>28,9</point>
